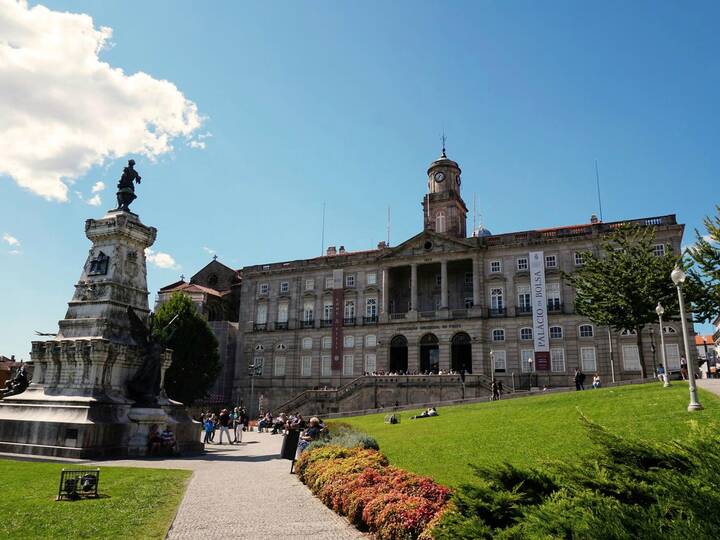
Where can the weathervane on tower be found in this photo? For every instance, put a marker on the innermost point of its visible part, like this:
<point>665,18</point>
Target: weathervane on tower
<point>444,138</point>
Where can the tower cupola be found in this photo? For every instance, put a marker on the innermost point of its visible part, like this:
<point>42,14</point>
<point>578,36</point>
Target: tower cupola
<point>443,208</point>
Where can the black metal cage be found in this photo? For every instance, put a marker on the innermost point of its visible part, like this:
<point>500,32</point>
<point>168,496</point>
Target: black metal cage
<point>78,483</point>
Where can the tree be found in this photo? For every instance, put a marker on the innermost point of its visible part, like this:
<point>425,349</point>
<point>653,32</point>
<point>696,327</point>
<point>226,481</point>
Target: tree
<point>703,285</point>
<point>195,360</point>
<point>620,286</point>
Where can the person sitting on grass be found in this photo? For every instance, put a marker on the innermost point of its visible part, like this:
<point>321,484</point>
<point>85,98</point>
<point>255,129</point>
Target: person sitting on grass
<point>596,381</point>
<point>427,413</point>
<point>312,433</point>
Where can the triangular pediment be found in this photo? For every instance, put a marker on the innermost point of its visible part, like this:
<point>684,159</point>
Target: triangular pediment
<point>429,242</point>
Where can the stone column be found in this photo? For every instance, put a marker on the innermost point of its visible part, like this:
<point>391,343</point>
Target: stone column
<point>413,287</point>
<point>476,280</point>
<point>443,285</point>
<point>385,305</point>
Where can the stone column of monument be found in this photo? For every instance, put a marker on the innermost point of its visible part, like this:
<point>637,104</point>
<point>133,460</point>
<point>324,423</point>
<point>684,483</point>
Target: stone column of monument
<point>80,403</point>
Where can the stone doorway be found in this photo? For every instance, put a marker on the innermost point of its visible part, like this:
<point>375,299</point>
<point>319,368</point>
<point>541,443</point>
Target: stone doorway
<point>461,353</point>
<point>429,354</point>
<point>398,354</point>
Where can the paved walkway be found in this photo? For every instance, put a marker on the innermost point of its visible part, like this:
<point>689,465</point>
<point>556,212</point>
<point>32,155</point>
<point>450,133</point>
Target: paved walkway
<point>711,385</point>
<point>247,491</point>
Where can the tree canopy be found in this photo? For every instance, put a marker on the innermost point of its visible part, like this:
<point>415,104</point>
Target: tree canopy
<point>704,278</point>
<point>621,284</point>
<point>195,360</point>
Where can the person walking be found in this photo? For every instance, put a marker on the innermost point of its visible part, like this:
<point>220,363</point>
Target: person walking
<point>224,421</point>
<point>579,379</point>
<point>683,368</point>
<point>495,391</point>
<point>237,425</point>
<point>208,426</point>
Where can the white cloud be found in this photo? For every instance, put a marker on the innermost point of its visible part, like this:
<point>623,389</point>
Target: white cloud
<point>208,250</point>
<point>10,240</point>
<point>14,252</point>
<point>63,110</point>
<point>95,200</point>
<point>197,144</point>
<point>161,260</point>
<point>98,187</point>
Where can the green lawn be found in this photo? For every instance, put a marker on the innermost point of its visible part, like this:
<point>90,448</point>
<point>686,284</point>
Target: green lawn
<point>135,503</point>
<point>528,431</point>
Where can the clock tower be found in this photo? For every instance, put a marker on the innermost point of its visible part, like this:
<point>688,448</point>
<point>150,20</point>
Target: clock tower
<point>443,208</point>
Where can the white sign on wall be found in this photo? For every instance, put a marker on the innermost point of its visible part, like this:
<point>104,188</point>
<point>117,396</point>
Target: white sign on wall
<point>539,310</point>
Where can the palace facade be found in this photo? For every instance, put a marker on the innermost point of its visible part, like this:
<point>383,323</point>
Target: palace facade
<point>482,305</point>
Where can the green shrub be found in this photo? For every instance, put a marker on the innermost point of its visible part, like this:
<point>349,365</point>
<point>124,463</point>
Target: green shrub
<point>624,489</point>
<point>342,434</point>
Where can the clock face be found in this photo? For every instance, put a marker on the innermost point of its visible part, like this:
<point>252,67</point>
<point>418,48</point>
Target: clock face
<point>439,176</point>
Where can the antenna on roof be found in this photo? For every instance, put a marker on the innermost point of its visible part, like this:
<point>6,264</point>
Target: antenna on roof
<point>388,227</point>
<point>444,139</point>
<point>597,181</point>
<point>322,236</point>
<point>474,233</point>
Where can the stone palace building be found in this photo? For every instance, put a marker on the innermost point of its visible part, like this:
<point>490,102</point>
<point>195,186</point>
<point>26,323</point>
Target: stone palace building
<point>442,301</point>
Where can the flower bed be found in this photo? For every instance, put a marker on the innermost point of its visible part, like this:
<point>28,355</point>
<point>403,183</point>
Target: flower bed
<point>360,484</point>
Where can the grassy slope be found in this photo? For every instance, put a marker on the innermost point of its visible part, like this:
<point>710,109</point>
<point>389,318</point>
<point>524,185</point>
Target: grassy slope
<point>135,503</point>
<point>527,431</point>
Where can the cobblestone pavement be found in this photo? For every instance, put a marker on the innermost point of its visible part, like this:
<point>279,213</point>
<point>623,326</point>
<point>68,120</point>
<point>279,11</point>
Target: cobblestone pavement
<point>247,491</point>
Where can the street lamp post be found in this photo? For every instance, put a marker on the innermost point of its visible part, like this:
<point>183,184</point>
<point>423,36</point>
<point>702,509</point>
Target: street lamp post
<point>678,278</point>
<point>660,310</point>
<point>254,369</point>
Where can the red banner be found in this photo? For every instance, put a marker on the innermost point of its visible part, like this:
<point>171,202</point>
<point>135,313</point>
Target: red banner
<point>337,328</point>
<point>542,361</point>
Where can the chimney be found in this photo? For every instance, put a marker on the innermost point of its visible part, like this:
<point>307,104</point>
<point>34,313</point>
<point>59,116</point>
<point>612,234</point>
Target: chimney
<point>594,219</point>
<point>331,251</point>
<point>382,245</point>
<point>342,250</point>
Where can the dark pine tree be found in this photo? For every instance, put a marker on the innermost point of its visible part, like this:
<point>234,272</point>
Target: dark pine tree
<point>195,360</point>
<point>620,286</point>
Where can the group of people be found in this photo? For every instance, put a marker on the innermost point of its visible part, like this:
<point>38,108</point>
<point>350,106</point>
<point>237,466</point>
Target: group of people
<point>497,389</point>
<point>399,373</point>
<point>280,423</point>
<point>161,442</point>
<point>579,380</point>
<point>227,421</point>
<point>427,413</point>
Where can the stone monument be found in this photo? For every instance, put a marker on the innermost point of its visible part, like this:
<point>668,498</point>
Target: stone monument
<point>83,400</point>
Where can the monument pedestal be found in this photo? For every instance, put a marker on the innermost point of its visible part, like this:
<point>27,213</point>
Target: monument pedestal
<point>77,404</point>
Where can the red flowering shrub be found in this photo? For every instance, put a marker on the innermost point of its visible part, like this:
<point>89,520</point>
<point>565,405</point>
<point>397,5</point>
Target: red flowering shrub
<point>392,503</point>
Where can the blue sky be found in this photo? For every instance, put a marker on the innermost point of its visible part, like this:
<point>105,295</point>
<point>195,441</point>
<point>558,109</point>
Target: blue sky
<point>344,103</point>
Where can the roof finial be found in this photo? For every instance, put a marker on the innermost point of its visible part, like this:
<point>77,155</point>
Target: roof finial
<point>215,257</point>
<point>444,138</point>
<point>182,277</point>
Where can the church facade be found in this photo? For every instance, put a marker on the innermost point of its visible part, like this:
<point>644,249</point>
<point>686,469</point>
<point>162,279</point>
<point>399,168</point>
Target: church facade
<point>442,302</point>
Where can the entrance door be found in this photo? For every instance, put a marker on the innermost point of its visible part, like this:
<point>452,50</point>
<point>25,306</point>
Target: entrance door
<point>398,355</point>
<point>461,353</point>
<point>429,354</point>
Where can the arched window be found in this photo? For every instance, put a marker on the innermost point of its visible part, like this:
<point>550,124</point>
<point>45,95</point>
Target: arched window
<point>669,330</point>
<point>498,334</point>
<point>440,224</point>
<point>586,330</point>
<point>628,333</point>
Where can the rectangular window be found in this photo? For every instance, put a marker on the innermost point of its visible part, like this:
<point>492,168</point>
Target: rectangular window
<point>259,363</point>
<point>261,315</point>
<point>349,342</point>
<point>550,261</point>
<point>631,358</point>
<point>586,330</point>
<point>264,288</point>
<point>500,361</point>
<point>306,366</point>
<point>588,362</point>
<point>329,282</point>
<point>348,360</point>
<point>282,312</point>
<point>526,334</point>
<point>468,279</point>
<point>522,263</point>
<point>552,292</point>
<point>309,312</point>
<point>309,284</point>
<point>524,298</point>
<point>496,299</point>
<point>284,286</point>
<point>579,259</point>
<point>326,342</point>
<point>349,309</point>
<point>370,340</point>
<point>557,360</point>
<point>556,332</point>
<point>672,356</point>
<point>325,366</point>
<point>370,363</point>
<point>498,334</point>
<point>350,280</point>
<point>495,266</point>
<point>327,310</point>
<point>279,370</point>
<point>371,278</point>
<point>468,302</point>
<point>527,360</point>
<point>307,343</point>
<point>371,307</point>
<point>659,251</point>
